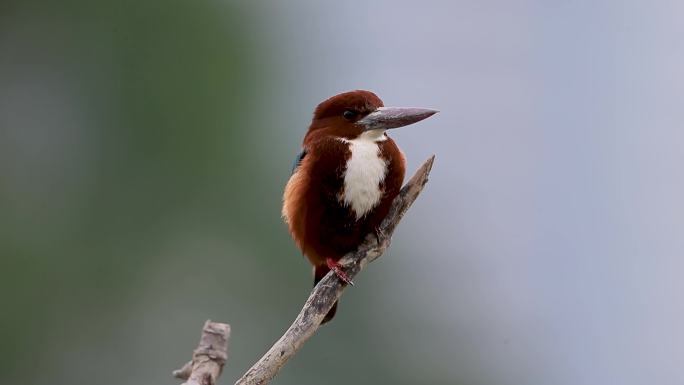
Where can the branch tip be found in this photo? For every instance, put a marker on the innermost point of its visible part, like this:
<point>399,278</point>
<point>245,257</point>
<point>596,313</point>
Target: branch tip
<point>209,357</point>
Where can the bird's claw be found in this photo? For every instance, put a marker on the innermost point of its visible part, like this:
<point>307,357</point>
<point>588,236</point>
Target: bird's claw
<point>379,235</point>
<point>341,274</point>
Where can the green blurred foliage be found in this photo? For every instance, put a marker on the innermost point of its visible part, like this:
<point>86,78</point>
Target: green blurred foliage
<point>162,93</point>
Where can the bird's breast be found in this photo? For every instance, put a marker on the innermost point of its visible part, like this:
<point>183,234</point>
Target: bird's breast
<point>363,176</point>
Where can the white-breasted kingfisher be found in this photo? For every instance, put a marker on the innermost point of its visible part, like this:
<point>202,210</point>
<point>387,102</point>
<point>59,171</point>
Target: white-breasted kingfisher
<point>346,177</point>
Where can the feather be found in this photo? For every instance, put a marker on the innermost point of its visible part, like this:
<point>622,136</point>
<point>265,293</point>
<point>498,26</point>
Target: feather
<point>298,161</point>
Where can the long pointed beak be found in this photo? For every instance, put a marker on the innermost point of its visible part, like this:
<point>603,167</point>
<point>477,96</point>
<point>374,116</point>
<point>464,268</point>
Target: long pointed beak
<point>385,118</point>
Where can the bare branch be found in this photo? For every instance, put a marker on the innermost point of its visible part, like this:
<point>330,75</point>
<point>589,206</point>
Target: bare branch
<point>330,288</point>
<point>209,357</point>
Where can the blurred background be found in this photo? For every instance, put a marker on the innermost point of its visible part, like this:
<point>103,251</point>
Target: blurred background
<point>144,147</point>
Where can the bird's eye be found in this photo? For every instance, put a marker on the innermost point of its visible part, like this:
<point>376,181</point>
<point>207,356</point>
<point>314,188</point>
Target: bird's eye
<point>349,114</point>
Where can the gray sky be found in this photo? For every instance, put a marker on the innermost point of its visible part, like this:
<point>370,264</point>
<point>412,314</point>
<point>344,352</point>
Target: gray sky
<point>547,248</point>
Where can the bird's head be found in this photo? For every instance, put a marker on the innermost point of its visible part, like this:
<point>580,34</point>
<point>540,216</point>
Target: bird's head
<point>351,114</point>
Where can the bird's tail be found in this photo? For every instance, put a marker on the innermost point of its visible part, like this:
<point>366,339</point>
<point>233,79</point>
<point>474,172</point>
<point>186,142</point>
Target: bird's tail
<point>319,273</point>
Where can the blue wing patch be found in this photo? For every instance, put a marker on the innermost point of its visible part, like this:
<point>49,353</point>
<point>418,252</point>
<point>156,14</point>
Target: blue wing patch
<point>298,161</point>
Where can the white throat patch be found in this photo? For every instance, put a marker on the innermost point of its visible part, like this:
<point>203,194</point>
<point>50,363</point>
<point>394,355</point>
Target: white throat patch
<point>365,171</point>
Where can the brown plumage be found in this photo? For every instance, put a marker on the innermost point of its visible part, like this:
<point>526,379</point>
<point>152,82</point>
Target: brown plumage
<point>347,176</point>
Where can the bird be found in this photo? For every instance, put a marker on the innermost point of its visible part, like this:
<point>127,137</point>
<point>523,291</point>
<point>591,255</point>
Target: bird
<point>345,178</point>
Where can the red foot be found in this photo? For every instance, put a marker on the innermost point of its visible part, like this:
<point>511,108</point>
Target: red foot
<point>337,268</point>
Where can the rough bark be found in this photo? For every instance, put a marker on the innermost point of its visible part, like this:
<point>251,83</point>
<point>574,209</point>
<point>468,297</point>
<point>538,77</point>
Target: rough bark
<point>209,357</point>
